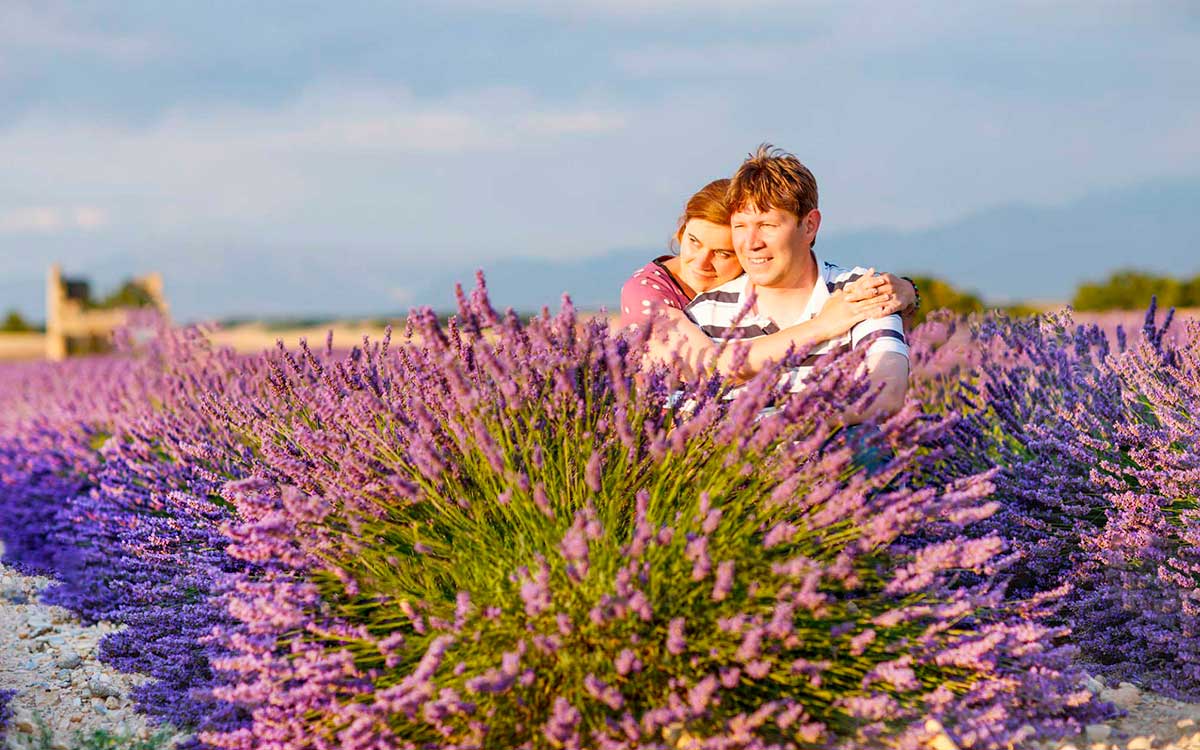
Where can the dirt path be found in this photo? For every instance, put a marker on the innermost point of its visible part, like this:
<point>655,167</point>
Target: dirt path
<point>1151,722</point>
<point>49,658</point>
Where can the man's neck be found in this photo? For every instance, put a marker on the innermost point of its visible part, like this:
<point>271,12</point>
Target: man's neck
<point>786,302</point>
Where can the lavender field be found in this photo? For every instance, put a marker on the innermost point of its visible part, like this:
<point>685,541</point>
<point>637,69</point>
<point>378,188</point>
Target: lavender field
<point>508,534</point>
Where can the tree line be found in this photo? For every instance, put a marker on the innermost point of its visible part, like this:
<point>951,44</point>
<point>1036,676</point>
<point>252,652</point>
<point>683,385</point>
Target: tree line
<point>1122,290</point>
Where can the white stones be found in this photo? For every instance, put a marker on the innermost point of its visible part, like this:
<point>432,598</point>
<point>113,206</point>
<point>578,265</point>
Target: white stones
<point>38,625</point>
<point>51,659</point>
<point>68,659</point>
<point>1125,696</point>
<point>1098,732</point>
<point>1141,742</point>
<point>101,687</point>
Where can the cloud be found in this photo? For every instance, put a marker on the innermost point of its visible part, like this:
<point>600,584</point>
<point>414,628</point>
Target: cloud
<point>704,61</point>
<point>573,123</point>
<point>51,219</point>
<point>343,161</point>
<point>50,26</point>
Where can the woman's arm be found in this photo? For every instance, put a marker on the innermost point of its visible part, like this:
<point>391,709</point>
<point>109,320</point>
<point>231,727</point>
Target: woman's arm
<point>680,341</point>
<point>838,315</point>
<point>645,292</point>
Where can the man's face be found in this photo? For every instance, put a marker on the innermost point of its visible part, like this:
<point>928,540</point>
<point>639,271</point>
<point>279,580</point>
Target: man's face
<point>773,245</point>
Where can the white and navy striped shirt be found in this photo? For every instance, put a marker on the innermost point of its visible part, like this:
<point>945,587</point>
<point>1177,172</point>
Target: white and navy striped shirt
<point>716,310</point>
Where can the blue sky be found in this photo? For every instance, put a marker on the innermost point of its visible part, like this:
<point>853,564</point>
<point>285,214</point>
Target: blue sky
<point>400,138</point>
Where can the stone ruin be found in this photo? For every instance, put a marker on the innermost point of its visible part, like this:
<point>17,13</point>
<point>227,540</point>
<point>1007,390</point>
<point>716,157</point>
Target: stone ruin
<point>74,327</point>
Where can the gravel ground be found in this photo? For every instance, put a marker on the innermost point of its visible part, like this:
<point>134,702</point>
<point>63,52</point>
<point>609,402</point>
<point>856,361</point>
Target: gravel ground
<point>49,657</point>
<point>1151,721</point>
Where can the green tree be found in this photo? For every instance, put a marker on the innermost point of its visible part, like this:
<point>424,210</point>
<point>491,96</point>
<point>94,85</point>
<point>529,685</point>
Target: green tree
<point>1189,292</point>
<point>129,294</point>
<point>1131,290</point>
<point>937,294</point>
<point>14,322</point>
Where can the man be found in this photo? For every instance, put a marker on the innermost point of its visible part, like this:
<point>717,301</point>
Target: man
<point>773,199</point>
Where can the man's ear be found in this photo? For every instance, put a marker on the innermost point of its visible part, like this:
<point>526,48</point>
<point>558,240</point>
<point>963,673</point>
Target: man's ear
<point>810,224</point>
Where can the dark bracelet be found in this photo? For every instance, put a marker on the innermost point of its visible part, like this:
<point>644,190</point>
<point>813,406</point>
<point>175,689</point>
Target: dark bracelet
<point>916,293</point>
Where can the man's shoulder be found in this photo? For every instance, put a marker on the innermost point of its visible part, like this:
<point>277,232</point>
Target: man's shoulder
<point>727,293</point>
<point>837,276</point>
<point>719,303</point>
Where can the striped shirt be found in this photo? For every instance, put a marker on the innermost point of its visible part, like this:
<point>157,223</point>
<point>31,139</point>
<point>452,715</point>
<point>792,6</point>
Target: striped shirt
<point>716,310</point>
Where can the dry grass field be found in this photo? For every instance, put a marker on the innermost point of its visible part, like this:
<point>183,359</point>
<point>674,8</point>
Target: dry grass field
<point>22,346</point>
<point>249,338</point>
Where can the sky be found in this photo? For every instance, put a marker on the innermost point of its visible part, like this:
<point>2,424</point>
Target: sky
<point>395,140</point>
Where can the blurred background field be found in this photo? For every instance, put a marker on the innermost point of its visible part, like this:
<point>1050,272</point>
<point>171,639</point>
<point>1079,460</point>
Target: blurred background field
<point>1117,301</point>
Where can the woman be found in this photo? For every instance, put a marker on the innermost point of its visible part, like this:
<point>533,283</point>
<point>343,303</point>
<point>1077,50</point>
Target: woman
<point>706,259</point>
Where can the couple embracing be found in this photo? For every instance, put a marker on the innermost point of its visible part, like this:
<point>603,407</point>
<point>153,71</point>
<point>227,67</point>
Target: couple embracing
<point>753,237</point>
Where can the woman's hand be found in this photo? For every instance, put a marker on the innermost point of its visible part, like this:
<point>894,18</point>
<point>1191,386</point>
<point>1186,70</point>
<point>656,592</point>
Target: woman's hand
<point>841,313</point>
<point>889,293</point>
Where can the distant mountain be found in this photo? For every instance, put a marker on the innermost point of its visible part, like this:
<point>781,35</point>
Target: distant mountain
<point>1005,253</point>
<point>527,284</point>
<point>1030,252</point>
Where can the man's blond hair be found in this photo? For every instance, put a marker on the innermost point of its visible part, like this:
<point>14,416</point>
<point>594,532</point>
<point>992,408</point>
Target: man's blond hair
<point>773,178</point>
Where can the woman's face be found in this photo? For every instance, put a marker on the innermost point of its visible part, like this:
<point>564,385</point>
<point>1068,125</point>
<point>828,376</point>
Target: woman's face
<point>706,257</point>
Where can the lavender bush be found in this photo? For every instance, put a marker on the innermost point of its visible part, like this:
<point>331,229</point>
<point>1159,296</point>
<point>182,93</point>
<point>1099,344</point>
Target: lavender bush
<point>5,710</point>
<point>1098,480</point>
<point>508,534</point>
<point>504,536</point>
<point>108,499</point>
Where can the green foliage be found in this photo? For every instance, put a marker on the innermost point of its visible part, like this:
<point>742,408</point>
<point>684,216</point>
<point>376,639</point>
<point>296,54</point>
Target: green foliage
<point>1132,290</point>
<point>98,739</point>
<point>938,295</point>
<point>1021,310</point>
<point>566,533</point>
<point>104,740</point>
<point>130,294</point>
<point>14,322</point>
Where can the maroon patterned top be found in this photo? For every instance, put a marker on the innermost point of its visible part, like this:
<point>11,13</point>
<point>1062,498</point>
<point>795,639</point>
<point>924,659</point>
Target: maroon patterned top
<point>650,287</point>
